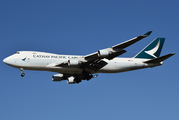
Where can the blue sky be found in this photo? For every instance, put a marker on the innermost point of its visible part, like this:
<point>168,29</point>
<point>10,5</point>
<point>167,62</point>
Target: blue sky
<point>81,27</point>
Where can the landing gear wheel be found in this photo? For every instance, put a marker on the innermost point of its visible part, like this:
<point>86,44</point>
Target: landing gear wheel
<point>77,80</point>
<point>22,74</point>
<point>89,77</point>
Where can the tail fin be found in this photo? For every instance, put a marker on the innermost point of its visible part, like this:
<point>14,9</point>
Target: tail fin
<point>153,50</point>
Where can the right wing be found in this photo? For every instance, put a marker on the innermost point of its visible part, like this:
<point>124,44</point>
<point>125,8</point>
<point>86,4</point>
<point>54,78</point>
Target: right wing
<point>116,50</point>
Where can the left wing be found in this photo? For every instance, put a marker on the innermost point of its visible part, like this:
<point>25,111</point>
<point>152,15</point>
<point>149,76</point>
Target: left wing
<point>91,65</point>
<point>94,65</point>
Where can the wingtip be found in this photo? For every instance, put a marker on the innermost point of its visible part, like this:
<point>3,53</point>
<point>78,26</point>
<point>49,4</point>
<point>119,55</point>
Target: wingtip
<point>148,33</point>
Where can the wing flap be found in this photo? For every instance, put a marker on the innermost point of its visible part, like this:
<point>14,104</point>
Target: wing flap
<point>94,65</point>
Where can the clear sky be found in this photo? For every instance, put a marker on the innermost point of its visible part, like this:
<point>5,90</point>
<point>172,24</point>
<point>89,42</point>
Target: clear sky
<point>82,27</point>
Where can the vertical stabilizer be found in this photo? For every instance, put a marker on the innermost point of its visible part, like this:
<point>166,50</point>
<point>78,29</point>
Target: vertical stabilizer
<point>152,50</point>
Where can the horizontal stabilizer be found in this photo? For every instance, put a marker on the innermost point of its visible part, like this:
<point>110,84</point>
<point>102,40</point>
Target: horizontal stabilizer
<point>160,59</point>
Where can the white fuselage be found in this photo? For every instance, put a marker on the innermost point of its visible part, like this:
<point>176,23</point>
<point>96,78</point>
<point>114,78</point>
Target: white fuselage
<point>42,61</point>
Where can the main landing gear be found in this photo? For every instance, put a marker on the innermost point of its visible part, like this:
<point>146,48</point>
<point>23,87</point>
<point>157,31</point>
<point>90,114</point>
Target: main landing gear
<point>22,72</point>
<point>87,75</point>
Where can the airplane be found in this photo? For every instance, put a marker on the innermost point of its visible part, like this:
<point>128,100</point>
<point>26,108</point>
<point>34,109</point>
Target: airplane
<point>75,68</point>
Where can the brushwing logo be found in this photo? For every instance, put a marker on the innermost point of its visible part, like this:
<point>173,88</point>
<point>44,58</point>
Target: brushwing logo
<point>154,50</point>
<point>24,59</point>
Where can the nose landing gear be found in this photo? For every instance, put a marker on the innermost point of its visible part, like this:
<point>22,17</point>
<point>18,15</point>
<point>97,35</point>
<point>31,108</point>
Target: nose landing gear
<point>22,72</point>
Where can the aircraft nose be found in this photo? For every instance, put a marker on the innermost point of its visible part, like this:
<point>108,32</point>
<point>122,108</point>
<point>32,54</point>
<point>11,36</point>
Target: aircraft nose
<point>11,61</point>
<point>5,60</point>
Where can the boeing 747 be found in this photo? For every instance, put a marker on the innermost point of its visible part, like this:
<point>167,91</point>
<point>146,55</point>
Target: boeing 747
<point>74,68</point>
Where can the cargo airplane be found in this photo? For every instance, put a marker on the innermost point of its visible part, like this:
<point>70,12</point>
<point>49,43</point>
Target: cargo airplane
<point>74,68</point>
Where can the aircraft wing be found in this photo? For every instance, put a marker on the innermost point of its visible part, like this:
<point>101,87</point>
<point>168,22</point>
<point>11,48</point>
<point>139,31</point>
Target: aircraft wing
<point>93,65</point>
<point>94,61</point>
<point>116,50</point>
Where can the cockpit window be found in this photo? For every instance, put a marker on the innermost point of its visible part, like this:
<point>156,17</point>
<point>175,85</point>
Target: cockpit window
<point>17,53</point>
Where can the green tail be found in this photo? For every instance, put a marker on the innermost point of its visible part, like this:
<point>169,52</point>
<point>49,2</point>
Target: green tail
<point>153,50</point>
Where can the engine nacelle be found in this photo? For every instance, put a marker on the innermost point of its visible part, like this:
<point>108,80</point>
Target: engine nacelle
<point>103,53</point>
<point>73,62</point>
<point>58,77</point>
<point>71,80</point>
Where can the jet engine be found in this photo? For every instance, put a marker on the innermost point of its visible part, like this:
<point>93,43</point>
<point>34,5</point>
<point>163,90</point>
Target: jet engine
<point>103,53</point>
<point>71,80</point>
<point>110,53</point>
<point>73,62</point>
<point>58,77</point>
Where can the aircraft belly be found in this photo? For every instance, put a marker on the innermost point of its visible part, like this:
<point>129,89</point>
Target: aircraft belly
<point>55,69</point>
<point>71,70</point>
<point>116,67</point>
